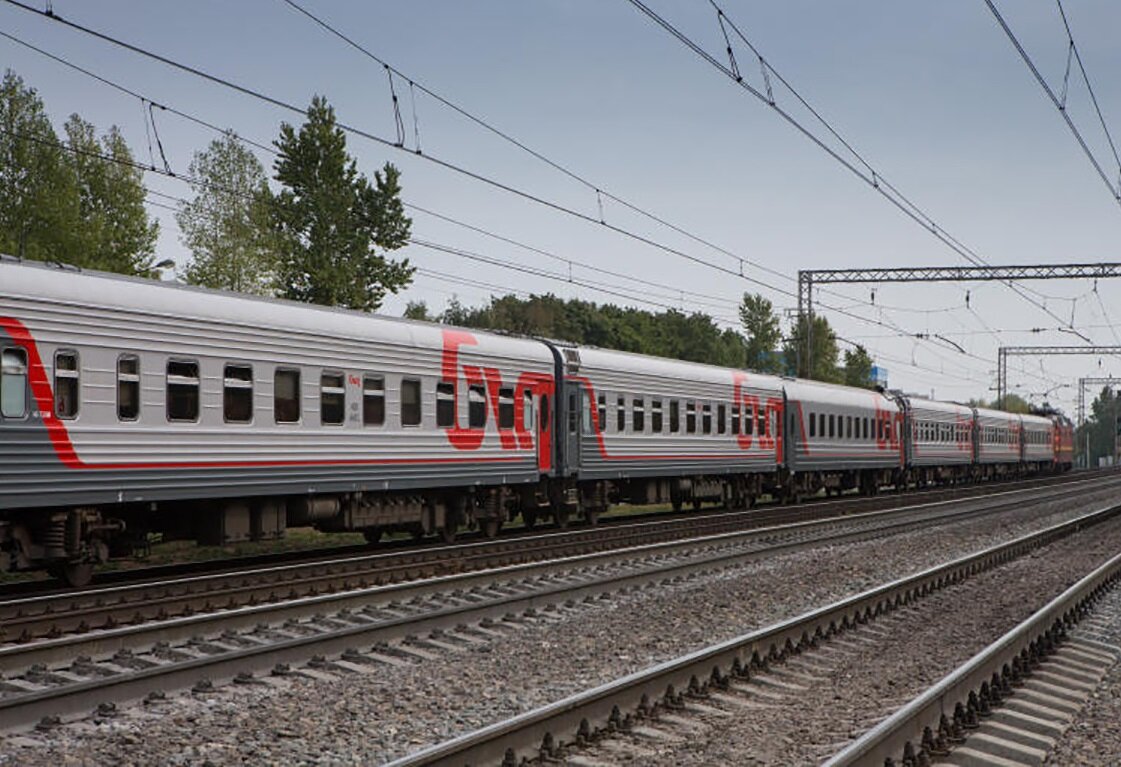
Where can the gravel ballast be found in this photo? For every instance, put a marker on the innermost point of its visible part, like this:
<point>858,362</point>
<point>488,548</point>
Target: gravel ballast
<point>392,710</point>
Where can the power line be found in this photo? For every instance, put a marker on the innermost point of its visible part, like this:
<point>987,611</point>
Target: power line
<point>1060,104</point>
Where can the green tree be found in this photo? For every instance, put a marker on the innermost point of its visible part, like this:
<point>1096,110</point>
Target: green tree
<point>763,333</point>
<point>38,189</point>
<point>825,352</point>
<point>1100,426</point>
<point>417,310</point>
<point>115,232</point>
<point>332,225</point>
<point>858,368</point>
<point>225,225</point>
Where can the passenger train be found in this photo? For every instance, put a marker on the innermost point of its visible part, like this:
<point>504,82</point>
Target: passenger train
<point>130,407</point>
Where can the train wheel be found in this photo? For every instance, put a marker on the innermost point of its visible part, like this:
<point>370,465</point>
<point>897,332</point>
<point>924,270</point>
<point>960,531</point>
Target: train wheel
<point>560,516</point>
<point>529,518</point>
<point>372,534</point>
<point>447,533</point>
<point>76,574</point>
<point>491,527</point>
<point>592,515</point>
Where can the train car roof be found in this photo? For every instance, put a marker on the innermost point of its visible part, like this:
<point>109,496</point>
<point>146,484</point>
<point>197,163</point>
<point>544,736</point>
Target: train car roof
<point>1037,420</point>
<point>836,394</point>
<point>939,406</point>
<point>662,367</point>
<point>84,287</point>
<point>984,412</point>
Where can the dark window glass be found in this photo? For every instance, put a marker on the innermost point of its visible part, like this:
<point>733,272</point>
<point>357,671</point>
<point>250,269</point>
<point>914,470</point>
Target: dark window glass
<point>848,427</point>
<point>13,383</point>
<point>601,416</point>
<point>674,416</point>
<point>373,400</point>
<point>506,408</point>
<point>832,429</point>
<point>865,428</point>
<point>128,387</point>
<point>749,421</point>
<point>656,416</point>
<point>638,415</point>
<point>445,405</point>
<point>286,396</point>
<point>620,414</point>
<point>813,425</point>
<point>182,390</point>
<point>410,402</point>
<point>527,410</point>
<point>237,394</point>
<point>706,418</point>
<point>544,416</point>
<point>332,398</point>
<point>691,417</point>
<point>735,419</point>
<point>66,384</point>
<point>721,419</point>
<point>477,407</point>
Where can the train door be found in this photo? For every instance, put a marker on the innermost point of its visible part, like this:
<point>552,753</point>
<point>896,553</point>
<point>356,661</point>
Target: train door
<point>573,402</point>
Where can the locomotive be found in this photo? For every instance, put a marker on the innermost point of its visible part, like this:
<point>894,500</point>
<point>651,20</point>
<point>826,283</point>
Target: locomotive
<point>130,407</point>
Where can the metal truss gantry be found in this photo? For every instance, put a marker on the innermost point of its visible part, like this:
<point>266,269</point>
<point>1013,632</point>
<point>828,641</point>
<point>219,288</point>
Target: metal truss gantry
<point>1004,352</point>
<point>807,279</point>
<point>1092,381</point>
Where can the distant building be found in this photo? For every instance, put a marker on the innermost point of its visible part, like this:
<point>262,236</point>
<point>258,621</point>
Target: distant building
<point>879,376</point>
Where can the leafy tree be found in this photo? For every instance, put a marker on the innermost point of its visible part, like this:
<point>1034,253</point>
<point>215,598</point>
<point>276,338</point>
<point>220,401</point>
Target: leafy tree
<point>825,352</point>
<point>115,232</point>
<point>225,225</point>
<point>858,368</point>
<point>1100,426</point>
<point>38,190</point>
<point>417,310</point>
<point>1013,403</point>
<point>763,332</point>
<point>332,225</point>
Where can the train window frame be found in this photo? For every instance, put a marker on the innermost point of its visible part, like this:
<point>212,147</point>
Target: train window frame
<point>721,418</point>
<point>129,380</point>
<point>67,380</point>
<point>620,413</point>
<point>477,407</point>
<point>415,410</point>
<point>736,420</point>
<point>690,417</point>
<point>601,412</point>
<point>373,400</point>
<point>706,418</point>
<point>656,422</point>
<point>186,384</point>
<point>237,386</point>
<point>11,368</point>
<point>296,375</point>
<point>527,410</point>
<point>813,427</point>
<point>674,416</point>
<point>867,431</point>
<point>587,406</point>
<point>543,414</point>
<point>332,395</point>
<point>638,414</point>
<point>506,409</point>
<point>749,420</point>
<point>445,404</point>
<point>832,429</point>
<point>848,427</point>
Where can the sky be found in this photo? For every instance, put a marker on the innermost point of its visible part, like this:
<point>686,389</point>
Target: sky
<point>932,95</point>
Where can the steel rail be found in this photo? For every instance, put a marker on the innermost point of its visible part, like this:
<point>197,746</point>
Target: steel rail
<point>933,720</point>
<point>590,715</point>
<point>518,589</point>
<point>29,618</point>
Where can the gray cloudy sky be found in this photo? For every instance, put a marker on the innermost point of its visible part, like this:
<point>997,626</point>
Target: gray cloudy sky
<point>932,94</point>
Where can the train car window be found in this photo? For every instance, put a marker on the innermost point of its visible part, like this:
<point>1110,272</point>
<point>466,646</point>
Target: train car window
<point>674,416</point>
<point>527,409</point>
<point>477,407</point>
<point>813,425</point>
<point>656,416</point>
<point>865,419</point>
<point>544,415</point>
<point>832,429</point>
<point>706,418</point>
<point>601,419</point>
<point>332,398</point>
<point>445,405</point>
<point>373,400</point>
<point>410,402</point>
<point>67,386</point>
<point>237,394</point>
<point>736,419</point>
<point>506,409</point>
<point>286,395</point>
<point>848,427</point>
<point>766,429</point>
<point>128,387</point>
<point>721,419</point>
<point>587,412</point>
<point>13,383</point>
<point>691,417</point>
<point>182,390</point>
<point>620,414</point>
<point>749,420</point>
<point>638,414</point>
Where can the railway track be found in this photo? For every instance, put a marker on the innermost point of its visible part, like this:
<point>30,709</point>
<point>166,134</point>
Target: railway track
<point>779,662</point>
<point>24,618</point>
<point>74,674</point>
